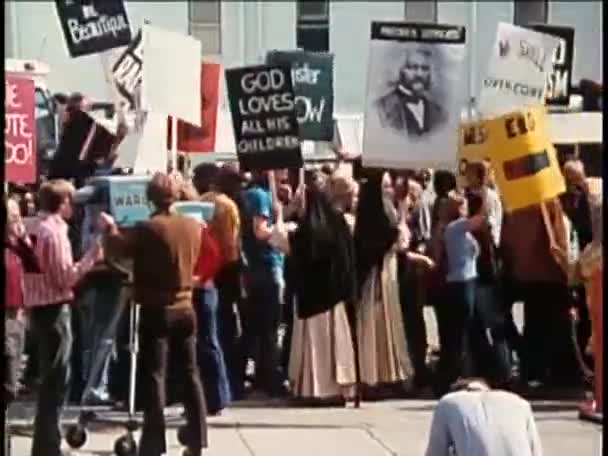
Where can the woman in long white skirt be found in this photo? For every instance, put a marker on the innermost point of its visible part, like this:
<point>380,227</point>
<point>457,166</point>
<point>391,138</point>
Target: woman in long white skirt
<point>384,359</point>
<point>322,362</point>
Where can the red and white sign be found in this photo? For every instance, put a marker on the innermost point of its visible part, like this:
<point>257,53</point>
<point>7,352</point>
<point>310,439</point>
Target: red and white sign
<point>19,130</point>
<point>191,138</point>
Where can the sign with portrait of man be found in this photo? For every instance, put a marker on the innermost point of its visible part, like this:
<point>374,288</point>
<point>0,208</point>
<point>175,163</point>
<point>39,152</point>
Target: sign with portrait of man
<point>415,92</point>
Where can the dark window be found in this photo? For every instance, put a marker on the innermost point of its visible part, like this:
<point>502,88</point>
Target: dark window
<point>421,11</point>
<point>312,32</point>
<point>529,12</point>
<point>204,21</point>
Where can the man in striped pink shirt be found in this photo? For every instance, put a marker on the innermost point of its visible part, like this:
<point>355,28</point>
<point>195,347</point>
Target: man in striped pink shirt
<point>48,296</point>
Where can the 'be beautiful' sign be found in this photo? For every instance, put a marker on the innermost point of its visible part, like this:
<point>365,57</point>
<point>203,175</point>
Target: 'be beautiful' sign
<point>264,117</point>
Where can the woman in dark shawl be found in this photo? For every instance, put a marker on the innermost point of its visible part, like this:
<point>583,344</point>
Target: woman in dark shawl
<point>379,234</point>
<point>322,362</point>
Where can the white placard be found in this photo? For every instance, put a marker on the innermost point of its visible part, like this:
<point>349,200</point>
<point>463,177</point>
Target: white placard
<point>415,91</point>
<point>517,70</point>
<point>145,148</point>
<point>172,74</point>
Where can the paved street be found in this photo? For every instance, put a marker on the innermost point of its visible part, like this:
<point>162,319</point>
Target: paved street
<point>266,428</point>
<point>377,429</point>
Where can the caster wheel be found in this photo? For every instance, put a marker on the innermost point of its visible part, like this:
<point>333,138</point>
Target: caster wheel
<point>76,436</point>
<point>125,446</point>
<point>182,435</point>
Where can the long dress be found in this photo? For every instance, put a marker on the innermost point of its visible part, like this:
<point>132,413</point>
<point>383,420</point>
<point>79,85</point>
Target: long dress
<point>383,351</point>
<point>321,362</point>
<point>322,359</point>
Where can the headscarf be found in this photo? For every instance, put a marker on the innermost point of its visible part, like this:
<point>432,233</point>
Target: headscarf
<point>375,232</point>
<point>322,254</point>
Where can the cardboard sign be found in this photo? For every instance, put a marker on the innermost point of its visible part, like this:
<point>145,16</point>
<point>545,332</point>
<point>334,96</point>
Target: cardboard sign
<point>415,92</point>
<point>144,149</point>
<point>171,74</point>
<point>262,104</point>
<point>19,130</point>
<point>517,71</point>
<point>201,139</point>
<point>559,78</point>
<point>313,85</point>
<point>523,157</point>
<point>94,26</point>
<point>128,202</point>
<point>127,71</point>
<point>83,141</point>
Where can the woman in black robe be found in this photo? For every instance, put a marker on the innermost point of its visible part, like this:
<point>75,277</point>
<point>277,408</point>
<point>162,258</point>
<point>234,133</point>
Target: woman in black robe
<point>322,362</point>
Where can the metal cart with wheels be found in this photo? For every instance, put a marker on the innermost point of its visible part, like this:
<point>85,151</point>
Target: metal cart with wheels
<point>76,435</point>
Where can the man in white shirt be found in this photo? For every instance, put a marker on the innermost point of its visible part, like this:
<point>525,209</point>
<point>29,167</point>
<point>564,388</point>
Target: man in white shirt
<point>474,420</point>
<point>407,109</point>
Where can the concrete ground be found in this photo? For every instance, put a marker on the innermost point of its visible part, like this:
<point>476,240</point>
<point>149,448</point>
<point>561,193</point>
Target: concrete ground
<point>267,428</point>
<point>377,429</point>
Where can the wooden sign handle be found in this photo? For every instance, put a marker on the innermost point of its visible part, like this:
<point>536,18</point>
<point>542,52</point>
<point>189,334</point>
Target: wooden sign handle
<point>548,225</point>
<point>274,196</point>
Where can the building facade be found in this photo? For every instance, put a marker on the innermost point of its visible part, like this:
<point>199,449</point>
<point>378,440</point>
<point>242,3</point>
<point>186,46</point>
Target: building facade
<point>240,33</point>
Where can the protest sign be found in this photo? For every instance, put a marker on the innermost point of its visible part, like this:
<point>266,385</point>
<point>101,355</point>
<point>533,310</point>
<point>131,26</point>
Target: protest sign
<point>520,150</point>
<point>313,86</point>
<point>171,74</point>
<point>127,71</point>
<point>144,150</point>
<point>201,139</point>
<point>19,130</point>
<point>517,70</point>
<point>415,92</point>
<point>83,142</point>
<point>94,26</point>
<point>264,117</point>
<point>128,201</point>
<point>559,78</point>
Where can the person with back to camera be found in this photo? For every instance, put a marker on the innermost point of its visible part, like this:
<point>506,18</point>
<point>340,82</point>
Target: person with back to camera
<point>164,251</point>
<point>407,108</point>
<point>475,420</point>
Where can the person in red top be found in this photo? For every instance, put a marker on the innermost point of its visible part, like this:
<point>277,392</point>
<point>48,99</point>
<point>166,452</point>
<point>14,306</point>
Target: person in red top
<point>18,258</point>
<point>205,303</point>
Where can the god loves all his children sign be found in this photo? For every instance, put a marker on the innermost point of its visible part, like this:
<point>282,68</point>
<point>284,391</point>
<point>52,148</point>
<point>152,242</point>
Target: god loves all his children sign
<point>264,117</point>
<point>312,76</point>
<point>19,130</point>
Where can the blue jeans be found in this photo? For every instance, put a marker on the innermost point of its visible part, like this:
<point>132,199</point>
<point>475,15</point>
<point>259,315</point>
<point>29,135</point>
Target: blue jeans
<point>211,356</point>
<point>101,308</point>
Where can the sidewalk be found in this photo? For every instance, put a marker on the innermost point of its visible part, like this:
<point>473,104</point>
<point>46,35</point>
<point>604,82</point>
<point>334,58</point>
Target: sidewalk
<point>390,428</point>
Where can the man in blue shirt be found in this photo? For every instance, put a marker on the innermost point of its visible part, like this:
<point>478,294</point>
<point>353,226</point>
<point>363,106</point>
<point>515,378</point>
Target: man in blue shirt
<point>264,284</point>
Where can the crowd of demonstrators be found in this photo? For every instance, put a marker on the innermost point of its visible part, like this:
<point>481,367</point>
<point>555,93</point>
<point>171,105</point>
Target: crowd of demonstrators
<point>341,266</point>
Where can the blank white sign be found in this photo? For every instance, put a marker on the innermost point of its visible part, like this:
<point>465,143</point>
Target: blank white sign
<point>172,74</point>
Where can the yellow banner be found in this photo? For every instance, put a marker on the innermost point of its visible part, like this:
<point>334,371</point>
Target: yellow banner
<point>522,155</point>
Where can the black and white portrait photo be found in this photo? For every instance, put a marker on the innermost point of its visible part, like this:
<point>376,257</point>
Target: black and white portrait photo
<point>415,90</point>
<point>409,108</point>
